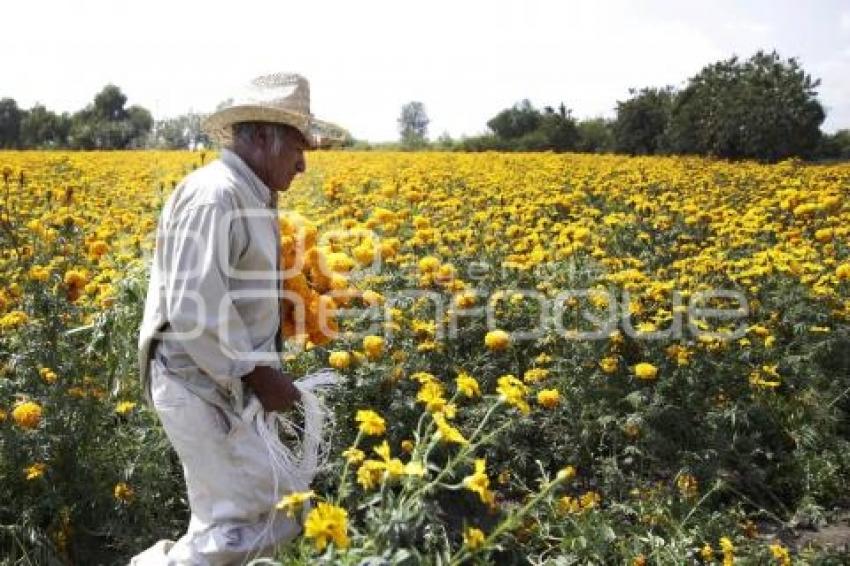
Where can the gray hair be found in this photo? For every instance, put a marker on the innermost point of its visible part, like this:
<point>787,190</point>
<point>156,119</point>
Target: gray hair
<point>244,132</point>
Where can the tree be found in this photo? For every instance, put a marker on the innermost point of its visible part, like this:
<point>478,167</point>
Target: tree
<point>10,123</point>
<point>515,122</point>
<point>445,141</point>
<point>106,124</point>
<point>835,146</point>
<point>42,128</point>
<point>764,108</point>
<point>558,129</point>
<point>109,104</point>
<point>181,132</point>
<point>595,135</point>
<point>141,122</point>
<point>413,125</point>
<point>642,121</point>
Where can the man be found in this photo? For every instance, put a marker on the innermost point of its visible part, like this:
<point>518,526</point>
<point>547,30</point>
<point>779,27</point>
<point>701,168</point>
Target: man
<point>211,333</point>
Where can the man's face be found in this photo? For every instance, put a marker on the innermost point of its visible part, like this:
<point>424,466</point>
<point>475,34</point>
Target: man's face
<point>283,166</point>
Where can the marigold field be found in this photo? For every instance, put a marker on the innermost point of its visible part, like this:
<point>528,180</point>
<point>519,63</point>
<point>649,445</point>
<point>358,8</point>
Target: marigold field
<point>547,359</point>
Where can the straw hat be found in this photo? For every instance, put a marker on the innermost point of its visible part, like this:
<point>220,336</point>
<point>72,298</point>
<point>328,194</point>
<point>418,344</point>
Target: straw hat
<point>280,98</point>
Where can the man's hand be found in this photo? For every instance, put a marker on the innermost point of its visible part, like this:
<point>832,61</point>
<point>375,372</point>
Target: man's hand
<point>273,388</point>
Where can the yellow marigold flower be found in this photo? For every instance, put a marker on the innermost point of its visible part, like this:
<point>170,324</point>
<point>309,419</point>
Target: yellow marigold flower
<point>48,375</point>
<point>354,455</point>
<point>473,538</point>
<point>646,371</point>
<point>373,346</point>
<point>423,328</point>
<point>35,471</point>
<point>338,262</point>
<point>479,482</point>
<point>327,523</point>
<point>429,264</point>
<point>39,273</point>
<point>497,340</point>
<point>513,392</point>
<point>447,432</point>
<point>27,414</point>
<point>364,254</point>
<point>75,278</point>
<point>339,359</point>
<point>639,560</point>
<point>568,504</point>
<point>589,500</point>
<point>465,299</point>
<point>548,398</point>
<point>609,365</point>
<point>534,375</point>
<point>543,358</point>
<point>407,446</point>
<point>781,554</point>
<point>371,422</point>
<point>757,380</point>
<point>728,550</point>
<point>843,272</point>
<point>293,502</point>
<point>372,298</point>
<point>567,473</point>
<point>98,248</point>
<point>123,492</point>
<point>370,473</point>
<point>383,450</point>
<point>431,393</point>
<point>13,319</point>
<point>423,377</point>
<point>706,553</point>
<point>125,407</point>
<point>688,486</point>
<point>467,385</point>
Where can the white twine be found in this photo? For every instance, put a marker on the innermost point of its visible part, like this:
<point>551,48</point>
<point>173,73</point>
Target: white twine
<point>294,468</point>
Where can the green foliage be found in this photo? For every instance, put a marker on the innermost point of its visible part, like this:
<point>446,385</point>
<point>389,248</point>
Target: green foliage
<point>525,128</point>
<point>42,128</point>
<point>513,123</point>
<point>10,123</point>
<point>182,132</point>
<point>642,121</point>
<point>835,146</point>
<point>763,108</point>
<point>595,135</point>
<point>86,445</point>
<point>104,124</point>
<point>413,125</point>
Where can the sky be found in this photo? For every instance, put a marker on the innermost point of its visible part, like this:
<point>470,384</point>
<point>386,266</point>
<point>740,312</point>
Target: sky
<point>464,59</point>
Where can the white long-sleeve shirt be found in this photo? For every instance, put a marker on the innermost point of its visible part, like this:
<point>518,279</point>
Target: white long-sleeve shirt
<point>213,299</point>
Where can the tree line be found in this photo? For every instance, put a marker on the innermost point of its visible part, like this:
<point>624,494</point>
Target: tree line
<point>105,123</point>
<point>763,108</point>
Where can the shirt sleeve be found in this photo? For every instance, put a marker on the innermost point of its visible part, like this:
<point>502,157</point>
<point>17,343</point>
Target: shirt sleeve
<point>199,306</point>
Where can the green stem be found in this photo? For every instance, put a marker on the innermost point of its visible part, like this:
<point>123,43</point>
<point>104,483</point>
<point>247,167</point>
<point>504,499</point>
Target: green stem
<point>343,483</point>
<point>509,522</point>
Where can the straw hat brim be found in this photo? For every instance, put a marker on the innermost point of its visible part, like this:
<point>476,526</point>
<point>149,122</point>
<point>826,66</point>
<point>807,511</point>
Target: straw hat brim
<point>219,125</point>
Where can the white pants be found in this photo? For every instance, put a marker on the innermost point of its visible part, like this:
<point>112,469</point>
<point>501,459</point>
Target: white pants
<point>229,481</point>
